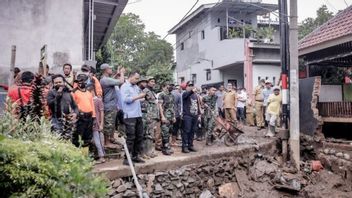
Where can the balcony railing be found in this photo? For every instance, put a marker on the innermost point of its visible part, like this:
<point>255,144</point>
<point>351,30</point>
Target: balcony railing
<point>335,109</point>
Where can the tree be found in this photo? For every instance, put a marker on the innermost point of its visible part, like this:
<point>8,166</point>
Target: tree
<point>309,24</point>
<point>135,49</point>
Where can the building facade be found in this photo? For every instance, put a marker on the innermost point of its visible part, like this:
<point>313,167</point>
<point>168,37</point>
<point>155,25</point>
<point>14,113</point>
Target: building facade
<point>219,43</point>
<point>71,30</point>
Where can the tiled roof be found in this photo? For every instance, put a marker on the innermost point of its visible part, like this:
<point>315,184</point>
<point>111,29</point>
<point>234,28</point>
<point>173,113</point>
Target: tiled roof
<point>337,27</point>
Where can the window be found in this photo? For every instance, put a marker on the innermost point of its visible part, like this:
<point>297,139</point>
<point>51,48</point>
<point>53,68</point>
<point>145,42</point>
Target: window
<point>219,20</point>
<point>208,74</point>
<point>182,79</point>
<point>223,33</point>
<point>182,46</point>
<point>202,35</point>
<point>194,78</point>
<point>274,79</point>
<point>189,34</point>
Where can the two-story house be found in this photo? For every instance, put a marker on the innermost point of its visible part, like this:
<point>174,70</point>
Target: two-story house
<point>228,42</point>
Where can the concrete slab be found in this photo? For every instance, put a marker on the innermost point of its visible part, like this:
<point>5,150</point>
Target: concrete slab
<point>250,142</point>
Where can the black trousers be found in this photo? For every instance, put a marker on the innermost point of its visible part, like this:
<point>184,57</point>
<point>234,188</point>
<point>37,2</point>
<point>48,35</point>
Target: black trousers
<point>176,127</point>
<point>189,128</point>
<point>135,134</point>
<point>84,130</point>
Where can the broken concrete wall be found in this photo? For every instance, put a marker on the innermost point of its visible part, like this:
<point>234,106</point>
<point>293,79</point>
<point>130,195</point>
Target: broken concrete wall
<point>309,90</point>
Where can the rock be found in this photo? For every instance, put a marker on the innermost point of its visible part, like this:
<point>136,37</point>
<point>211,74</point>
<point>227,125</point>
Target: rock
<point>117,196</point>
<point>129,193</point>
<point>150,183</point>
<point>158,189</point>
<point>121,189</point>
<point>157,174</point>
<point>191,180</point>
<point>332,151</point>
<point>346,156</point>
<point>339,154</point>
<point>117,183</point>
<point>206,194</point>
<point>229,190</point>
<point>179,185</point>
<point>326,151</point>
<point>128,185</point>
<point>111,192</point>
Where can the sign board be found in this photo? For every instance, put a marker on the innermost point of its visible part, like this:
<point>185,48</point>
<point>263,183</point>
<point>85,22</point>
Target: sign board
<point>43,61</point>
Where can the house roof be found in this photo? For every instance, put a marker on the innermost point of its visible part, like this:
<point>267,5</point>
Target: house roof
<point>107,13</point>
<point>337,29</point>
<point>258,8</point>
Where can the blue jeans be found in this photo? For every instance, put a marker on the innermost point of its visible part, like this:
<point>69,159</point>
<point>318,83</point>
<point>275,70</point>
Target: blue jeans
<point>241,114</point>
<point>189,128</point>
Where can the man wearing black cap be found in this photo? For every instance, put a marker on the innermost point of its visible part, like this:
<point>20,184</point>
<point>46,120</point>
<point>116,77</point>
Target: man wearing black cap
<point>191,115</point>
<point>92,80</point>
<point>85,104</point>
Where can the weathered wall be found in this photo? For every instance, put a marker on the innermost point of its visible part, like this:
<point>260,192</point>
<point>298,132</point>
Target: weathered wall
<point>309,89</point>
<point>30,24</point>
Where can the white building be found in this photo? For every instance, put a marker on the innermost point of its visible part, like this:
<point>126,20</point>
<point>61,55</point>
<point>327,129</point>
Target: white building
<point>211,48</point>
<point>64,26</point>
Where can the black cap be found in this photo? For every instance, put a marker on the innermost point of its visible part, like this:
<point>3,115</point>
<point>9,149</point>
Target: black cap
<point>81,78</point>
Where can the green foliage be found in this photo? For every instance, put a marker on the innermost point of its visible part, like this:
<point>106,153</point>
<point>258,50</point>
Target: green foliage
<point>36,163</point>
<point>130,46</point>
<point>265,33</point>
<point>161,73</point>
<point>310,24</point>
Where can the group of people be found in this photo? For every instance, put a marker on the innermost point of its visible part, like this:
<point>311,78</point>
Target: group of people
<point>87,110</point>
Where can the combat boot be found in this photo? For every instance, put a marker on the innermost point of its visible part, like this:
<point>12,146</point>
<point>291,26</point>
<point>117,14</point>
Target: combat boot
<point>166,150</point>
<point>209,141</point>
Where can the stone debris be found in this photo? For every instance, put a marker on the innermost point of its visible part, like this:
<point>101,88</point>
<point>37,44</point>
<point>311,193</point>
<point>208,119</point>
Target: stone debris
<point>206,194</point>
<point>229,190</point>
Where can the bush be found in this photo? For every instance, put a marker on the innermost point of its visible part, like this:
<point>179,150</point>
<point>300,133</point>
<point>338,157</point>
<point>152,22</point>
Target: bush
<point>36,163</point>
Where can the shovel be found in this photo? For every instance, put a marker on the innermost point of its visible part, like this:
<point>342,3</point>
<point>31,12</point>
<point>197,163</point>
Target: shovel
<point>141,193</point>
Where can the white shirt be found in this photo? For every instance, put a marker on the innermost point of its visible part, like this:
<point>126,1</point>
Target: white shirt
<point>242,99</point>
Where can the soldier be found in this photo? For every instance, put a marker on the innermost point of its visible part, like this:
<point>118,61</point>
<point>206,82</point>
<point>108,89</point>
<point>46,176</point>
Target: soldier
<point>151,118</point>
<point>210,114</point>
<point>258,105</point>
<point>167,114</point>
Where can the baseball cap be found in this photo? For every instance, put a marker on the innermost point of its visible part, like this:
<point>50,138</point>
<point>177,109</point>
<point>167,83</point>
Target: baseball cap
<point>81,78</point>
<point>105,66</point>
<point>85,68</point>
<point>276,88</point>
<point>267,82</point>
<point>190,83</point>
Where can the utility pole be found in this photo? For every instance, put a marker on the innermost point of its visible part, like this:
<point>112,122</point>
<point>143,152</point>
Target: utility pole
<point>294,86</point>
<point>284,52</point>
<point>11,80</point>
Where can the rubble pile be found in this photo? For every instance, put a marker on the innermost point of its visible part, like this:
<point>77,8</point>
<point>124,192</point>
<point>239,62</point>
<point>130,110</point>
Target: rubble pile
<point>255,176</point>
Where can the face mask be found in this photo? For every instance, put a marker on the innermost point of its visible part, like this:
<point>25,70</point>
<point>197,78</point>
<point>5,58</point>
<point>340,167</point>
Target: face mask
<point>82,86</point>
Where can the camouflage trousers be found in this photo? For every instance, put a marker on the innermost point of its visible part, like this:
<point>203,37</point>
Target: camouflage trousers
<point>166,129</point>
<point>209,126</point>
<point>109,123</point>
<point>149,126</point>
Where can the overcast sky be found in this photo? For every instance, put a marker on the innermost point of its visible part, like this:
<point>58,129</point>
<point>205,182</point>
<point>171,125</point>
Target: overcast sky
<point>161,15</point>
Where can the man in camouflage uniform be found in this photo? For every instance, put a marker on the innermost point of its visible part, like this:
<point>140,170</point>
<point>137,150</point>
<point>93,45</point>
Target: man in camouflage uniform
<point>258,105</point>
<point>210,114</point>
<point>151,118</point>
<point>167,114</point>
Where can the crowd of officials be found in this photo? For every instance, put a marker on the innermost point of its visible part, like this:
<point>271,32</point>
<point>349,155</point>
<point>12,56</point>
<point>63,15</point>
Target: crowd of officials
<point>88,110</point>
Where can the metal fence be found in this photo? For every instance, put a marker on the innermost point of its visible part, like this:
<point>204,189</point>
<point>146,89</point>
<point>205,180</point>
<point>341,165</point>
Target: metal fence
<point>335,109</point>
<point>2,101</point>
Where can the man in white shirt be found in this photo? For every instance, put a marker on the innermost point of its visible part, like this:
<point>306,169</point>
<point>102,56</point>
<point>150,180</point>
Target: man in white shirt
<point>242,99</point>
